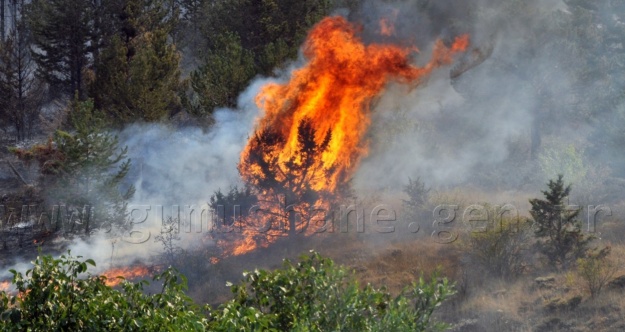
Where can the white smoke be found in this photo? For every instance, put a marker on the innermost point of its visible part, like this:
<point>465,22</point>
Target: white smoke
<point>437,133</point>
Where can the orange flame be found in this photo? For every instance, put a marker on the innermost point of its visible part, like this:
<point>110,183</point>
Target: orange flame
<point>131,272</point>
<point>5,286</point>
<point>331,96</point>
<point>334,91</point>
<point>387,24</point>
<point>387,28</point>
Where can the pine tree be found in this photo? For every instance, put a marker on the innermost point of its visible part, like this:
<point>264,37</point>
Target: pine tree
<point>22,92</point>
<point>84,170</point>
<point>244,38</point>
<point>62,31</point>
<point>137,74</point>
<point>224,74</point>
<point>288,183</point>
<point>559,230</point>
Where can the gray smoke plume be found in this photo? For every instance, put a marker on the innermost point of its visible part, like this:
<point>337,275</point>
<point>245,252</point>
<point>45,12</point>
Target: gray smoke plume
<point>450,131</point>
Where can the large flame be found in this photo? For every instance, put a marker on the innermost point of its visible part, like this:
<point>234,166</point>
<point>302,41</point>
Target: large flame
<point>334,91</point>
<point>311,135</point>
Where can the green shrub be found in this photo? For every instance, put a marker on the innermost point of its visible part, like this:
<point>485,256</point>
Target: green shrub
<point>502,248</point>
<point>596,270</point>
<point>55,296</point>
<point>315,295</point>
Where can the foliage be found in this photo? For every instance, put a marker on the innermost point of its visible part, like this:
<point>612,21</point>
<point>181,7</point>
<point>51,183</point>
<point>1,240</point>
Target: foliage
<point>566,160</point>
<point>226,71</point>
<point>315,295</point>
<point>596,270</point>
<point>418,196</point>
<point>22,92</point>
<point>61,33</point>
<point>562,240</point>
<point>243,38</point>
<point>137,73</point>
<point>501,248</point>
<point>55,295</point>
<point>84,170</point>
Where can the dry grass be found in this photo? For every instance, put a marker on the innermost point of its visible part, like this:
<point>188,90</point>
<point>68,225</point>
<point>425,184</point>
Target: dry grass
<point>395,260</point>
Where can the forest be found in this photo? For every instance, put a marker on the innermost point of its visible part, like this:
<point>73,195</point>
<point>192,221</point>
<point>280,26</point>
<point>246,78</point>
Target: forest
<point>353,165</point>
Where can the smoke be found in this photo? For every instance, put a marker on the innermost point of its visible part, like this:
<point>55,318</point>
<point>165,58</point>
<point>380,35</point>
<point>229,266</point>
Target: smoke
<point>464,130</point>
<point>174,169</point>
<point>472,129</point>
<point>443,130</point>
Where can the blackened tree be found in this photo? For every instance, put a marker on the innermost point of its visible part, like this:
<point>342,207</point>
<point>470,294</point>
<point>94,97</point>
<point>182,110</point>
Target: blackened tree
<point>288,184</point>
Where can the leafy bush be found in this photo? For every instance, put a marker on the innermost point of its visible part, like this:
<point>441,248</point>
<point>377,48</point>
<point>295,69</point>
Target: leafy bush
<point>596,270</point>
<point>52,296</point>
<point>501,250</point>
<point>418,195</point>
<point>315,295</point>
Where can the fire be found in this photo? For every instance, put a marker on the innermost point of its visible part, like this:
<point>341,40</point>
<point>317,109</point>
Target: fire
<point>387,25</point>
<point>5,286</point>
<point>311,136</point>
<point>131,272</point>
<point>334,92</point>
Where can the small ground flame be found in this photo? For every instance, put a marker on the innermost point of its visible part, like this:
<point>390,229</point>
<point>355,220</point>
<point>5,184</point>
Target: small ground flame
<point>130,272</point>
<point>5,286</point>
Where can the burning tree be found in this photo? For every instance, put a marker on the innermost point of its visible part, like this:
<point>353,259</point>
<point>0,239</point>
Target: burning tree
<point>311,137</point>
<point>286,187</point>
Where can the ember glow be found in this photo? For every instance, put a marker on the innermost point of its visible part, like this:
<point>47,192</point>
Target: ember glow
<point>387,24</point>
<point>311,135</point>
<point>131,272</point>
<point>5,285</point>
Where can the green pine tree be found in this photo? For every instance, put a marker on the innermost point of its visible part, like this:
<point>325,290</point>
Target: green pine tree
<point>137,74</point>
<point>243,38</point>
<point>22,92</point>
<point>225,73</point>
<point>84,170</point>
<point>558,228</point>
<point>62,31</point>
